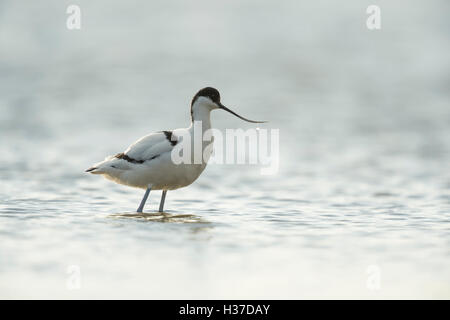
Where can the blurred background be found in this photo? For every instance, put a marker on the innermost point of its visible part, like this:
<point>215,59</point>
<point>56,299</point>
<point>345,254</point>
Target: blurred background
<point>360,207</point>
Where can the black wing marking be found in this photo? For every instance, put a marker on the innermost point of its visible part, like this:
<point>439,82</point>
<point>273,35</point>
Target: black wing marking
<point>129,159</point>
<point>168,135</point>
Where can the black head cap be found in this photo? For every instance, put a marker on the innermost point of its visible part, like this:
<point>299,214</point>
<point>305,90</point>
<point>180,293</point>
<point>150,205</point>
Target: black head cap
<point>214,95</point>
<point>208,92</point>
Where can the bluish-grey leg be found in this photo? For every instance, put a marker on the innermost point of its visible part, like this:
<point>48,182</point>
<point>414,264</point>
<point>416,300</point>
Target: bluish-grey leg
<point>144,199</point>
<point>163,198</point>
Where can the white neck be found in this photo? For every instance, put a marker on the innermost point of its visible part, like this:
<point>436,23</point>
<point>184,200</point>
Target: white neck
<point>201,112</point>
<point>200,122</point>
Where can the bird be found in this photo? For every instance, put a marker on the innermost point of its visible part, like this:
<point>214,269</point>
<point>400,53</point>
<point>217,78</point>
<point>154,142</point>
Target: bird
<point>147,164</point>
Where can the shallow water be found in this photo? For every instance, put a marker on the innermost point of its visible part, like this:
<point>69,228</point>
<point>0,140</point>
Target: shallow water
<point>363,188</point>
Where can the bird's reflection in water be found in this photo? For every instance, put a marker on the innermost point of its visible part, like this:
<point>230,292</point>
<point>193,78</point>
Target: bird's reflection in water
<point>161,217</point>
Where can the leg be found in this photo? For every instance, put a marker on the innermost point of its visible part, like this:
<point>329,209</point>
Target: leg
<point>144,199</point>
<point>163,198</point>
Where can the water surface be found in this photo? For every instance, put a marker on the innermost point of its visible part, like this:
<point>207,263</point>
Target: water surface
<point>364,179</point>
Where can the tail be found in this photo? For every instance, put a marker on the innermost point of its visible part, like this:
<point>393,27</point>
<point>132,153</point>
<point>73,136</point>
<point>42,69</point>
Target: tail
<point>93,170</point>
<point>100,167</point>
<point>108,166</point>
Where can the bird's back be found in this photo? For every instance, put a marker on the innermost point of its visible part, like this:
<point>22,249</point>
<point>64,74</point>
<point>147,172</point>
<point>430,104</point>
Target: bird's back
<point>149,161</point>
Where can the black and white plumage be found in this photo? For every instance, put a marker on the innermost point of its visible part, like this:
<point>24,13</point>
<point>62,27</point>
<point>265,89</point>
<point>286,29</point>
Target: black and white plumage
<point>148,164</point>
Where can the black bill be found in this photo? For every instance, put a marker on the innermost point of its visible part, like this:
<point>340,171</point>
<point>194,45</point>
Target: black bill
<point>232,112</point>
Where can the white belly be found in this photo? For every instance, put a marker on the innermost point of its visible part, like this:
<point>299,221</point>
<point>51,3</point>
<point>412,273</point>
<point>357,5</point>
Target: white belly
<point>161,173</point>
